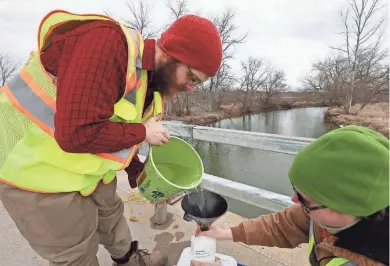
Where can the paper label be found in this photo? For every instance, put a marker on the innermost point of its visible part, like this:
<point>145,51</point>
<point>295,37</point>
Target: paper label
<point>203,249</point>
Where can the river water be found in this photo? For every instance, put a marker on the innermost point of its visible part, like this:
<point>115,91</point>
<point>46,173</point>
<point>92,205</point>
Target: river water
<point>262,169</point>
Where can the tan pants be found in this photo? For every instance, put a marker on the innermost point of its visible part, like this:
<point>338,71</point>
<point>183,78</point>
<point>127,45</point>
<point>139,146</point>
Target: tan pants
<point>67,228</point>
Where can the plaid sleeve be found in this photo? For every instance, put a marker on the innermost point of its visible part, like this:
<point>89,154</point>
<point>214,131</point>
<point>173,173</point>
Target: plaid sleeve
<point>90,80</point>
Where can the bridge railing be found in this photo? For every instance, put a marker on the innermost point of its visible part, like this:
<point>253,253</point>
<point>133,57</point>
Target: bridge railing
<point>270,142</point>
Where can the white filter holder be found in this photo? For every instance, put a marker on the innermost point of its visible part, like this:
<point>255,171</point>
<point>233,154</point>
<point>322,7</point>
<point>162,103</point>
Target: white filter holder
<point>186,256</point>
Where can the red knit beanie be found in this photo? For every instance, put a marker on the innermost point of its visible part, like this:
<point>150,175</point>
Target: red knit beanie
<point>194,41</point>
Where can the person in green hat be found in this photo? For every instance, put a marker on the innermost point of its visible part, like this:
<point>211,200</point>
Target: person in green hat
<point>341,185</point>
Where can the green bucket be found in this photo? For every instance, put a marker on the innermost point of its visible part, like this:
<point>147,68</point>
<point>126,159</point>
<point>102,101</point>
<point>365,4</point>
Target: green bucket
<point>169,170</point>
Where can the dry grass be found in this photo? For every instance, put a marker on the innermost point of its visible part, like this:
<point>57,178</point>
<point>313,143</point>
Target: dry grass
<point>375,116</point>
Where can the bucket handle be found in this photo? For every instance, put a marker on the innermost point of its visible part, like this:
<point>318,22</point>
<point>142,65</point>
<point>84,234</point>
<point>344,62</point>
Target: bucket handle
<point>148,145</point>
<point>180,135</point>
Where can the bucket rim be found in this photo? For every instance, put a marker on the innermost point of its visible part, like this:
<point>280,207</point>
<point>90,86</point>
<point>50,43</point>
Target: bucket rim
<point>195,184</point>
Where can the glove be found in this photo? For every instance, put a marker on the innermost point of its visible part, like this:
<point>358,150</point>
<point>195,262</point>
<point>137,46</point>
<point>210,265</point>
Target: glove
<point>133,171</point>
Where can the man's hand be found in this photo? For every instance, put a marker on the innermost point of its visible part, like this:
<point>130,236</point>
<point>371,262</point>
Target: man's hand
<point>216,232</point>
<point>217,263</point>
<point>156,133</point>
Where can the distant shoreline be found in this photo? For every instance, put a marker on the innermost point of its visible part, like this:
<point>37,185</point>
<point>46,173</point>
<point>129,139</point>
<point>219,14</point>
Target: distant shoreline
<point>212,117</point>
<point>375,116</point>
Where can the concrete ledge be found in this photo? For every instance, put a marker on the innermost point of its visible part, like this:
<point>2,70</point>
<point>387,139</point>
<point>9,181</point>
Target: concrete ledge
<point>252,195</point>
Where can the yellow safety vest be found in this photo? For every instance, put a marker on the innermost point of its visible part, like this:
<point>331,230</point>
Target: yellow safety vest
<point>312,256</point>
<point>30,157</point>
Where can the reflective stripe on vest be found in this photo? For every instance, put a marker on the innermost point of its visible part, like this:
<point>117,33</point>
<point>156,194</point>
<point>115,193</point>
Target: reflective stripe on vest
<point>333,262</point>
<point>30,102</point>
<point>131,92</point>
<point>26,101</point>
<point>137,72</point>
<point>135,78</point>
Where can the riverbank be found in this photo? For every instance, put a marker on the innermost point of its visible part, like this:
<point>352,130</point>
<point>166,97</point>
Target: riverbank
<point>229,111</point>
<point>375,116</point>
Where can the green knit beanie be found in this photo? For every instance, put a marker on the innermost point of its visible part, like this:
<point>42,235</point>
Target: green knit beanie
<point>346,170</point>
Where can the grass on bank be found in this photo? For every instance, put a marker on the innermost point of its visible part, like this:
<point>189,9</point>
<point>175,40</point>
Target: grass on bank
<point>375,116</point>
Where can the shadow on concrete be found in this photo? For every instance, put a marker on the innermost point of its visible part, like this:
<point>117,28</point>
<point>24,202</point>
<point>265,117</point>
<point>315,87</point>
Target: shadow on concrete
<point>172,250</point>
<point>163,226</point>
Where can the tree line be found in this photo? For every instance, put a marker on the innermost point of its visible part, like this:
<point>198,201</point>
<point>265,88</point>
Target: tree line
<point>357,71</point>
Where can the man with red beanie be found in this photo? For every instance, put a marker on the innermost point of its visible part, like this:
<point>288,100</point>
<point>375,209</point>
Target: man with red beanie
<point>76,113</point>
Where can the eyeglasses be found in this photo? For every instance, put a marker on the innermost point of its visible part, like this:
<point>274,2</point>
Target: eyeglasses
<point>193,80</point>
<point>303,203</point>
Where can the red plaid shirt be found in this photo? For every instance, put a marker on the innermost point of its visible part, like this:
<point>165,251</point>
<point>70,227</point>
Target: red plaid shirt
<point>90,63</point>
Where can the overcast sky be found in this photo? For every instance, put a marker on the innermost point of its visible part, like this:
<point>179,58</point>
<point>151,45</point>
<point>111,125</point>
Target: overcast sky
<point>291,34</point>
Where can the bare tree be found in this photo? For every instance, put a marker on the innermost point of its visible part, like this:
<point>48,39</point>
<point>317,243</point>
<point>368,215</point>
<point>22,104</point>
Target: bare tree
<point>312,83</point>
<point>275,83</point>
<point>140,19</point>
<point>358,73</point>
<point>226,81</point>
<point>328,79</point>
<point>8,68</point>
<point>179,8</point>
<point>363,37</point>
<point>226,84</point>
<point>373,86</point>
<point>254,78</point>
<point>227,28</point>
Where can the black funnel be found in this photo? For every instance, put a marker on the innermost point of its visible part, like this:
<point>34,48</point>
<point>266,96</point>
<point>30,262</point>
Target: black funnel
<point>204,208</point>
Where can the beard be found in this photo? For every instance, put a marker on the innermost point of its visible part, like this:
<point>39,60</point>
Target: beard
<point>164,79</point>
